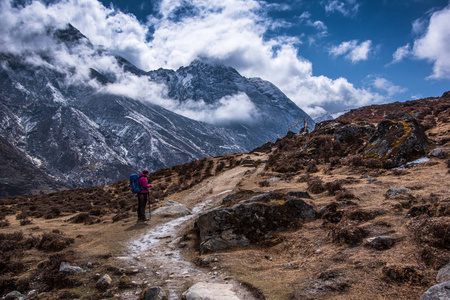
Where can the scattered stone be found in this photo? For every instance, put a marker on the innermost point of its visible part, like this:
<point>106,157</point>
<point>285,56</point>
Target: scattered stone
<point>66,268</point>
<point>396,191</point>
<point>380,242</point>
<point>210,291</point>
<point>131,271</point>
<point>443,274</point>
<point>14,295</point>
<point>175,243</point>
<point>104,282</point>
<point>171,208</point>
<point>153,293</point>
<point>124,282</point>
<point>439,153</point>
<point>437,292</point>
<point>274,179</point>
<point>89,265</point>
<point>32,294</point>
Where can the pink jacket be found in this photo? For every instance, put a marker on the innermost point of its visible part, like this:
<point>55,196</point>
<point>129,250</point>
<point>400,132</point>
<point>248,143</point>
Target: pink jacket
<point>144,184</point>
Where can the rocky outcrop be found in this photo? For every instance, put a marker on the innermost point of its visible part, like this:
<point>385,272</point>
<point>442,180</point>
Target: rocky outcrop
<point>351,132</point>
<point>399,138</point>
<point>248,223</point>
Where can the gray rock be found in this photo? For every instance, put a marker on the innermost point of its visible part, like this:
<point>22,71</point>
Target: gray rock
<point>380,242</point>
<point>274,179</point>
<point>210,291</point>
<point>155,293</point>
<point>172,208</point>
<point>396,191</point>
<point>14,295</point>
<point>66,268</point>
<point>104,282</point>
<point>437,292</point>
<point>439,153</point>
<point>443,274</point>
<point>248,223</point>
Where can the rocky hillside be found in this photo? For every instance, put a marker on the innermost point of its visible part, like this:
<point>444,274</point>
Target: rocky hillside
<point>356,209</point>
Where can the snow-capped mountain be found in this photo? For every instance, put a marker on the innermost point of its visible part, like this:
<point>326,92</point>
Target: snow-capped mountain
<point>83,133</point>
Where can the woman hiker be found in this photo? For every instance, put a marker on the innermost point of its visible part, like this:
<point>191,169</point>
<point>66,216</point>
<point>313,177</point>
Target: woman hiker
<point>143,195</point>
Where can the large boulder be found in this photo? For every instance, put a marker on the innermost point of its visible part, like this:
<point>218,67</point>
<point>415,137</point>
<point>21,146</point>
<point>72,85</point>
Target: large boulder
<point>248,223</point>
<point>399,138</point>
<point>437,292</point>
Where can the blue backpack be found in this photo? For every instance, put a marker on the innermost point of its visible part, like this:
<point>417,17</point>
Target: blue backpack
<point>134,184</point>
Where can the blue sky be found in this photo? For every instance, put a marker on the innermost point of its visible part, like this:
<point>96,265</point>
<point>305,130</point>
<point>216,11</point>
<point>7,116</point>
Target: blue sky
<point>326,55</point>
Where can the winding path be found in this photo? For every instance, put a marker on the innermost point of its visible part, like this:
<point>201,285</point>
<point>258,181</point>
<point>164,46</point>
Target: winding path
<point>157,253</point>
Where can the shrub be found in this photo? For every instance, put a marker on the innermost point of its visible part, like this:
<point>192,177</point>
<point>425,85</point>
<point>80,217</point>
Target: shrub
<point>264,183</point>
<point>82,218</point>
<point>347,233</point>
<point>25,222</point>
<point>344,195</point>
<point>316,185</point>
<point>333,187</point>
<point>432,231</point>
<point>54,241</point>
<point>404,274</point>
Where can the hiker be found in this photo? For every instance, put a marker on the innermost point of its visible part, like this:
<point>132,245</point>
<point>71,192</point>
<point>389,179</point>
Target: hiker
<point>143,195</point>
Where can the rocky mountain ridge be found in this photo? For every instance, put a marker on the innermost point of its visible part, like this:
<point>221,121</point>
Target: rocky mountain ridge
<point>80,133</point>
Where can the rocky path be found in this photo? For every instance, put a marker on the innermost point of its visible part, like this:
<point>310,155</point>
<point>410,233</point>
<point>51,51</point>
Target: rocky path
<point>157,253</point>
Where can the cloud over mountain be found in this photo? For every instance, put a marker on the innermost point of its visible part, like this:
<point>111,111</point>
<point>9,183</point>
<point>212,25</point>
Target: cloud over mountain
<point>229,31</point>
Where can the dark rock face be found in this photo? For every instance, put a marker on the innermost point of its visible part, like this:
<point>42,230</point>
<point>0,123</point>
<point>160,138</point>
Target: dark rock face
<point>248,223</point>
<point>349,133</point>
<point>399,138</point>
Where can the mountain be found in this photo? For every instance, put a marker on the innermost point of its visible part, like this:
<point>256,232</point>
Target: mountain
<point>78,132</point>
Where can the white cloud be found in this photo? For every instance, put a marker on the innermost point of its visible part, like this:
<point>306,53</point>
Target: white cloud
<point>401,53</point>
<point>387,86</point>
<point>352,50</point>
<point>434,45</point>
<point>345,7</point>
<point>419,26</point>
<point>228,110</point>
<point>229,31</point>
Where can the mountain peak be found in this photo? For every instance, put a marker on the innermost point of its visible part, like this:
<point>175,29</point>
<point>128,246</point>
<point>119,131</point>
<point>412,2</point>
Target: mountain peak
<point>71,36</point>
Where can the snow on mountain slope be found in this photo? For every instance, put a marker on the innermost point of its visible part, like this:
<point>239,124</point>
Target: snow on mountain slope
<point>83,131</point>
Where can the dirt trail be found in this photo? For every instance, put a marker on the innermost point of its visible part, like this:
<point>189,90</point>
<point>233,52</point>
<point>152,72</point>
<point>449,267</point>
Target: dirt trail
<point>157,253</point>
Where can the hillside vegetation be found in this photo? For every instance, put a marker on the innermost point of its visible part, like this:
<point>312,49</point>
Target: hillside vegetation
<point>357,209</point>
